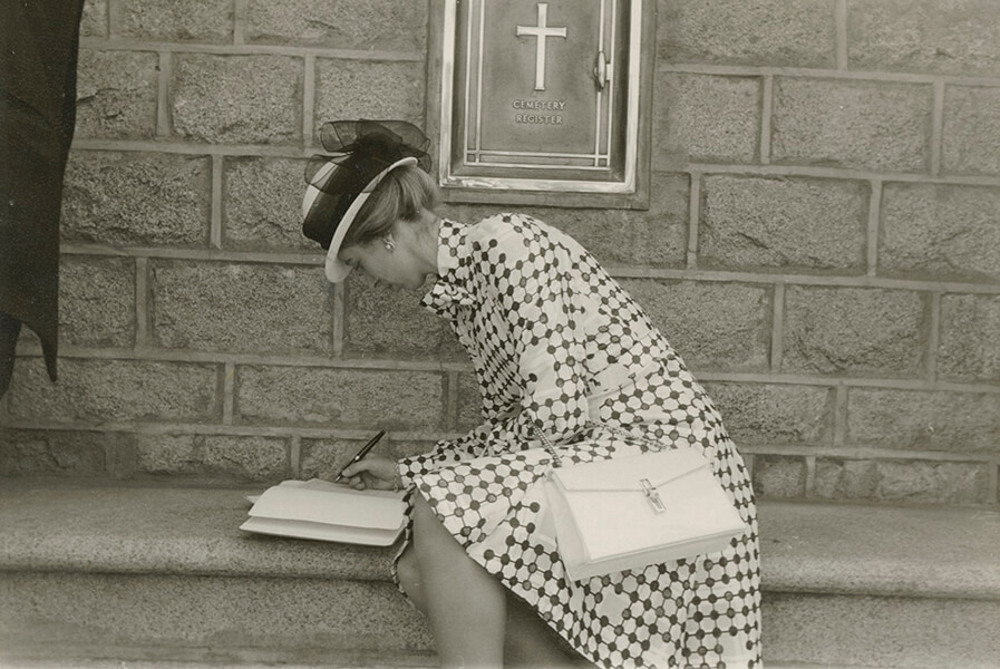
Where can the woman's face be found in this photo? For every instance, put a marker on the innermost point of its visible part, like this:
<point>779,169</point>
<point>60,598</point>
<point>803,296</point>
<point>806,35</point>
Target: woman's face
<point>396,266</point>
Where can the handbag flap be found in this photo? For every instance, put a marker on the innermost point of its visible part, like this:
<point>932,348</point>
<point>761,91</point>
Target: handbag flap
<point>624,474</point>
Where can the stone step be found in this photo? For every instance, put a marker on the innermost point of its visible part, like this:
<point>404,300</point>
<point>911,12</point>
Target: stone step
<point>131,574</point>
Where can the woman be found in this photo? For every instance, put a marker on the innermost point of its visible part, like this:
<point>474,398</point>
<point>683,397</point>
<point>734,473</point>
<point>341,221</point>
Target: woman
<point>559,351</point>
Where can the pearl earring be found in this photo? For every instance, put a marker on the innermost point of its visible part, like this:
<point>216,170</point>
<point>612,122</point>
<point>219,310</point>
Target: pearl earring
<point>389,246</point>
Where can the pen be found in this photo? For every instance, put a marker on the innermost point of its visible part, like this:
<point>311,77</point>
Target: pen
<point>360,455</point>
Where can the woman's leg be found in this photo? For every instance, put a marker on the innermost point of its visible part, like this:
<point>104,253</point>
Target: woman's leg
<point>532,645</point>
<point>465,605</point>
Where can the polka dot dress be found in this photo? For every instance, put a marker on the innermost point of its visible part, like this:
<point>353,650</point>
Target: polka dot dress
<point>558,346</point>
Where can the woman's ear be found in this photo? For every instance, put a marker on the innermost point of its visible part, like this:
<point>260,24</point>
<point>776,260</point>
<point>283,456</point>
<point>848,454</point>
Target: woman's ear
<point>389,242</point>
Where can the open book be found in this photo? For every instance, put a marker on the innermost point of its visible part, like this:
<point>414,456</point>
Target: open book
<point>325,511</point>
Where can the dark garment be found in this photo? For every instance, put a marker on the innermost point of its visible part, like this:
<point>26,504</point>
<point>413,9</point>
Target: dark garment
<point>38,54</point>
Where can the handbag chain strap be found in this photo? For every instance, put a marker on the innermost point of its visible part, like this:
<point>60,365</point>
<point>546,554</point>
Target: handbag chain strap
<point>557,460</point>
<point>548,446</point>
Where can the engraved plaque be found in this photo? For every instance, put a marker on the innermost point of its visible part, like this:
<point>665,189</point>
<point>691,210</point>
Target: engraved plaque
<point>540,96</point>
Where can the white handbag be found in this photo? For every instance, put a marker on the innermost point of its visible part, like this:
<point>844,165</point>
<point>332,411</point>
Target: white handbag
<point>630,512</point>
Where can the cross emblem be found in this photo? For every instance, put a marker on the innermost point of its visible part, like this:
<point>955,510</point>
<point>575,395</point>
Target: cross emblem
<point>541,32</point>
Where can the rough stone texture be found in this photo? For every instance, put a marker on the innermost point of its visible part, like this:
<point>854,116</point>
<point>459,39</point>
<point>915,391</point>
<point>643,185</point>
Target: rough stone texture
<point>383,25</point>
<point>115,390</point>
<point>855,331</point>
<point>345,398</point>
<point>775,414</point>
<point>136,199</point>
<point>958,36</point>
<point>875,125</point>
<point>237,99</point>
<point>779,476</point>
<point>233,307</point>
<point>654,237</point>
<point>971,133</point>
<point>470,402</point>
<point>262,204</point>
<point>796,33</point>
<point>247,458</point>
<point>116,94</point>
<point>712,325</point>
<point>940,231</point>
<point>762,222</point>
<point>49,453</point>
<point>704,118</point>
<point>175,454</point>
<point>369,89</point>
<point>903,481</point>
<point>94,22</point>
<point>924,420</point>
<point>820,629</point>
<point>97,301</point>
<point>383,323</point>
<point>231,615</point>
<point>969,347</point>
<point>177,20</point>
<point>324,458</point>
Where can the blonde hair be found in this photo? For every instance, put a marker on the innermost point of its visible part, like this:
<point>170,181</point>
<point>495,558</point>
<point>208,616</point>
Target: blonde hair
<point>401,195</point>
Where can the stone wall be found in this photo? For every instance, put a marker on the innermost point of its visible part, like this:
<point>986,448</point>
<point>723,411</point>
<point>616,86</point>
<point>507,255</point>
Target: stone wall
<point>822,245</point>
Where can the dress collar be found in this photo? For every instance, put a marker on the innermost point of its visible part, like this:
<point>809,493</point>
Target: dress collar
<point>450,290</point>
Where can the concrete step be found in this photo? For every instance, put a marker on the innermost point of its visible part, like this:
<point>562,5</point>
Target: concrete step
<point>94,572</point>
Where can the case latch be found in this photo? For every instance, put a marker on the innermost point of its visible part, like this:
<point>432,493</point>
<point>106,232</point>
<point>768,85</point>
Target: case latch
<point>652,496</point>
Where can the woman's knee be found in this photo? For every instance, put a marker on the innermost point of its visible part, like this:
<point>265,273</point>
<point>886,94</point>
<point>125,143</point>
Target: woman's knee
<point>429,535</point>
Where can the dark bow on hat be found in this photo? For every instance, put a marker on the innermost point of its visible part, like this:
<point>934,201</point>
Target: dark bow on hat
<point>361,151</point>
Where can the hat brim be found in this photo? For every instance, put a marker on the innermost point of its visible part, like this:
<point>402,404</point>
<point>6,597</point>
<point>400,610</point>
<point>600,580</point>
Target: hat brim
<point>335,270</point>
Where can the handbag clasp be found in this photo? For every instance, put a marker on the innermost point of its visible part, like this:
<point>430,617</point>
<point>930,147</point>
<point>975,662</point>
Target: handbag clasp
<point>652,496</point>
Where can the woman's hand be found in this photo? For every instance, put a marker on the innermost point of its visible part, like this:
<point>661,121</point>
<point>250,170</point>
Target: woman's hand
<point>373,472</point>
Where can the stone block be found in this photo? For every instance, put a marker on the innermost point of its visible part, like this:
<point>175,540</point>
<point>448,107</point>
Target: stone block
<point>959,37</point>
<point>779,475</point>
<point>855,331</point>
<point>116,94</point>
<point>379,25</point>
<point>470,402</point>
<point>711,325</point>
<point>860,629</point>
<point>705,119</point>
<point>173,454</point>
<point>240,307</point>
<point>778,222</point>
<point>262,204</point>
<point>177,20</point>
<point>344,398</point>
<point>237,99</point>
<point>969,347</point>
<point>115,390</point>
<point>97,301</point>
<point>959,422</point>
<point>793,33</point>
<point>940,231</point>
<point>970,141</point>
<point>383,323</point>
<point>653,237</point>
<point>369,89</point>
<point>875,125</point>
<point>247,458</point>
<point>775,414</point>
<point>903,481</point>
<point>94,21</point>
<point>136,199</point>
<point>49,453</point>
<point>324,458</point>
